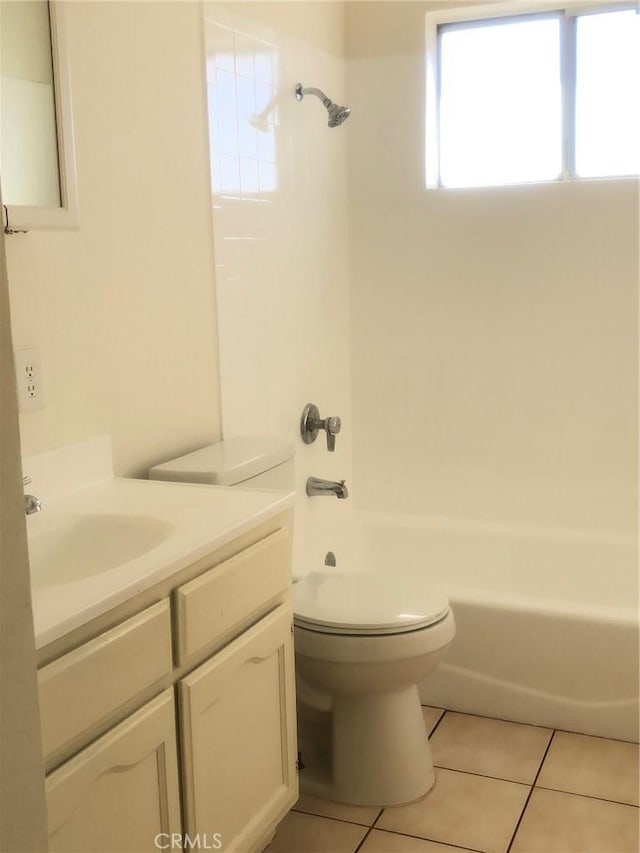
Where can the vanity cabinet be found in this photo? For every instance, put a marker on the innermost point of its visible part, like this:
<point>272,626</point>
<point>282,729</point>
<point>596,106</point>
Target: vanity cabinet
<point>179,718</point>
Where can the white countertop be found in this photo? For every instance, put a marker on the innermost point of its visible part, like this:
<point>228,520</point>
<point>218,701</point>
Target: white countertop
<point>163,528</point>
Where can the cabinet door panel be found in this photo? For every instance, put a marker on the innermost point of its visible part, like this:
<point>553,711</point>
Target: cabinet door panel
<point>121,791</point>
<point>239,739</point>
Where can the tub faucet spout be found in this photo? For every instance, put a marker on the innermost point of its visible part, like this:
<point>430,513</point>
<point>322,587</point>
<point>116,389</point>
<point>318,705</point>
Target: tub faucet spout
<point>317,486</point>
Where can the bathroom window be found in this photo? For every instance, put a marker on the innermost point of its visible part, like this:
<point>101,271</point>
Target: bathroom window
<point>543,95</point>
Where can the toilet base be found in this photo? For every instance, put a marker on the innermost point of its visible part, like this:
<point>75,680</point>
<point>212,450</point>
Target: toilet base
<point>367,750</point>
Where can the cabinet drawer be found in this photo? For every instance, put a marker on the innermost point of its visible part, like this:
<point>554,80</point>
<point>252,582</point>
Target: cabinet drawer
<point>87,685</point>
<point>227,598</point>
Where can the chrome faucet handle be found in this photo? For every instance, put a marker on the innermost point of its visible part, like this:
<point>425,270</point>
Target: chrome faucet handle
<point>332,427</point>
<point>311,423</point>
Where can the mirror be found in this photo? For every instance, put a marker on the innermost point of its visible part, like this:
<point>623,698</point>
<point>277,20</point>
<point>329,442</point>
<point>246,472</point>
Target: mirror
<point>37,165</point>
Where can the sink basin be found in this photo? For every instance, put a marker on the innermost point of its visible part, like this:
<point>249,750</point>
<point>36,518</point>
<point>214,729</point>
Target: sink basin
<point>101,540</point>
<point>90,544</point>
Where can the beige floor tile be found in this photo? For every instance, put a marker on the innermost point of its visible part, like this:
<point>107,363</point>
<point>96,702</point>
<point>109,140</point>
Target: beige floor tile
<point>464,810</point>
<point>304,833</point>
<point>555,822</point>
<point>389,842</point>
<point>431,717</point>
<point>511,751</point>
<point>325,808</point>
<point>592,766</point>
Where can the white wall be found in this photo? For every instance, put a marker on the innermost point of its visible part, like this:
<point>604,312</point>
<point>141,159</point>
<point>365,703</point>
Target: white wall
<point>281,246</point>
<point>494,331</point>
<point>23,819</point>
<point>123,310</point>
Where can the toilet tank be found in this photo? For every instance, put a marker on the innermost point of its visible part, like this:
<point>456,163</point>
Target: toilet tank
<point>252,463</point>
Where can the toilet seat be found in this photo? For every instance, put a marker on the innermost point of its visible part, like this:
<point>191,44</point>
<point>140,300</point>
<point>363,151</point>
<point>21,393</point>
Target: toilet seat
<point>350,603</point>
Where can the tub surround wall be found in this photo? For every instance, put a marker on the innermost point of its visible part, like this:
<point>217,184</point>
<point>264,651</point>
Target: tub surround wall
<point>281,239</point>
<point>495,391</point>
<point>494,330</point>
<point>123,309</point>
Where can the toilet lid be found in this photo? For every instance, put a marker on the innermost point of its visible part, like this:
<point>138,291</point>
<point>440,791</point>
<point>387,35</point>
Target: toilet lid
<point>357,603</point>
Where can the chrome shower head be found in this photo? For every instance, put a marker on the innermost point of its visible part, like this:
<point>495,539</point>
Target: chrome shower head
<point>337,114</point>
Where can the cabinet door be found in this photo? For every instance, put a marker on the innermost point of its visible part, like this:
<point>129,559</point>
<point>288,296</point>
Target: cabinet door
<point>239,739</point>
<point>122,791</point>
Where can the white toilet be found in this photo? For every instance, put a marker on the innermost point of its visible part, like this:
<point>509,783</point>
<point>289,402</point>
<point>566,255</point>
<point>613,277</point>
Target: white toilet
<point>363,643</point>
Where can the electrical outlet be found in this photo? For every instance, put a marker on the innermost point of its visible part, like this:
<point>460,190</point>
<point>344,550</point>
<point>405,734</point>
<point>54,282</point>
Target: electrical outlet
<point>29,380</point>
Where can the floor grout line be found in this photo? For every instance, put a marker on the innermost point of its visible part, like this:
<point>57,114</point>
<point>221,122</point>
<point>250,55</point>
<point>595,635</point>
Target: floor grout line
<point>533,785</point>
<point>500,719</point>
<point>599,737</point>
<point>368,832</point>
<point>483,775</point>
<point>378,816</point>
<point>433,730</point>
<point>586,796</point>
<point>430,840</point>
<point>531,725</point>
<point>331,817</point>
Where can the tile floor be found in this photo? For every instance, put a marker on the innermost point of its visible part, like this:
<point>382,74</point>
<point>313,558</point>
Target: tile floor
<point>499,787</point>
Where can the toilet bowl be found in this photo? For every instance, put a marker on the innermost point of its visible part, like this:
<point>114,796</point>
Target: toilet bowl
<point>363,642</point>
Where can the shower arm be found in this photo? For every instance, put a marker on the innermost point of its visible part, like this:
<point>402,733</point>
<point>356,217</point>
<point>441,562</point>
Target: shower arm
<point>301,91</point>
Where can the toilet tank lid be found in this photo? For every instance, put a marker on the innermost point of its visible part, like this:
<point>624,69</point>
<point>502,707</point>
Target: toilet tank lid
<point>227,462</point>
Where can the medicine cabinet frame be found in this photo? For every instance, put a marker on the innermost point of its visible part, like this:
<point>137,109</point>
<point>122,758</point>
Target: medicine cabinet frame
<point>22,218</point>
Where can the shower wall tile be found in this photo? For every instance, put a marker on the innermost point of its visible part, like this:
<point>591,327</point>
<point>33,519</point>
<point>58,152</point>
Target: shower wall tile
<point>280,236</point>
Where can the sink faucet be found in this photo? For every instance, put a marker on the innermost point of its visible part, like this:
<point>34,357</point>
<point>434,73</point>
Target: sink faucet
<point>31,502</point>
<point>316,486</point>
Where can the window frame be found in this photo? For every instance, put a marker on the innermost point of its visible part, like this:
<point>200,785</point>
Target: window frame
<point>567,13</point>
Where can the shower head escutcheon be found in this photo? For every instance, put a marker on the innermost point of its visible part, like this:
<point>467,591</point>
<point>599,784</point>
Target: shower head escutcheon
<point>337,114</point>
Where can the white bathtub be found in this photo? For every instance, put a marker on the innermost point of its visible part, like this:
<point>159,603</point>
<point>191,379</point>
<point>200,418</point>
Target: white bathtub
<point>547,623</point>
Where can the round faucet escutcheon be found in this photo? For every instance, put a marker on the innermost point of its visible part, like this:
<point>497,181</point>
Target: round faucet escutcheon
<point>311,423</point>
